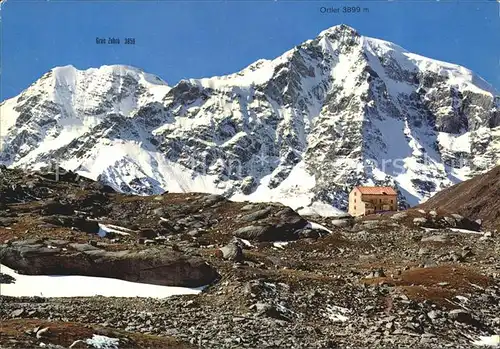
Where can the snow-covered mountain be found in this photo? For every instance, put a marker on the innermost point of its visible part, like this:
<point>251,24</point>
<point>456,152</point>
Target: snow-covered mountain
<point>339,110</point>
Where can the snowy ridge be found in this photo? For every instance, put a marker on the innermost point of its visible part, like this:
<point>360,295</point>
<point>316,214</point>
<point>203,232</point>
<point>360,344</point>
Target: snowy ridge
<point>457,75</point>
<point>337,111</point>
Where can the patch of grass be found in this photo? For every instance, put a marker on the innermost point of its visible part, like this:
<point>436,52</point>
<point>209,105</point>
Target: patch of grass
<point>65,333</point>
<point>437,295</point>
<point>294,276</point>
<point>437,284</point>
<point>62,333</point>
<point>455,277</point>
<point>325,243</point>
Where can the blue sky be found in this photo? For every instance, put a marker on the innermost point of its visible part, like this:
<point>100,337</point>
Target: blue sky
<point>193,39</point>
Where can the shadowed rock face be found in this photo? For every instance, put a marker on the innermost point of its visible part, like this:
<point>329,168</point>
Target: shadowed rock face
<point>477,198</point>
<point>151,266</point>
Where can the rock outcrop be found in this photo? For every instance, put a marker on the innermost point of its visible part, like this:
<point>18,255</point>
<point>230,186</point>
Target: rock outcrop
<point>153,266</point>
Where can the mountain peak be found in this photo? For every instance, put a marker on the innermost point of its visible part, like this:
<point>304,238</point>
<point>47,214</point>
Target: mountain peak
<point>65,69</point>
<point>341,29</point>
<point>69,73</point>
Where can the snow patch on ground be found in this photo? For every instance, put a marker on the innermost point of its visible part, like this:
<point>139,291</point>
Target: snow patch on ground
<point>105,229</point>
<point>313,225</point>
<point>492,341</point>
<point>103,342</point>
<point>84,286</point>
<point>455,230</point>
<point>246,242</point>
<point>280,244</point>
<point>336,313</point>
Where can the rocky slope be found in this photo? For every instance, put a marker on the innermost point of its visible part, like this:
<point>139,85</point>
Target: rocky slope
<point>419,278</point>
<point>158,226</point>
<point>477,198</point>
<point>335,111</point>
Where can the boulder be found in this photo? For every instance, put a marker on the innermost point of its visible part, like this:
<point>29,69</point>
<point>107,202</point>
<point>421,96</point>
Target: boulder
<point>255,216</point>
<point>370,224</point>
<point>279,232</point>
<point>376,273</point>
<point>309,233</point>
<point>5,222</point>
<point>342,223</point>
<point>44,332</point>
<point>160,212</point>
<point>282,226</point>
<point>248,185</point>
<point>269,310</point>
<point>103,188</point>
<point>253,232</point>
<point>54,207</point>
<point>213,199</point>
<point>147,233</point>
<point>232,251</point>
<point>460,315</point>
<point>6,279</point>
<point>451,222</point>
<point>248,207</point>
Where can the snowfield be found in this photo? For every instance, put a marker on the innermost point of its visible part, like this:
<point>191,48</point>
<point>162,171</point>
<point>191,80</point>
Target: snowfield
<point>490,341</point>
<point>84,286</point>
<point>336,313</point>
<point>103,342</point>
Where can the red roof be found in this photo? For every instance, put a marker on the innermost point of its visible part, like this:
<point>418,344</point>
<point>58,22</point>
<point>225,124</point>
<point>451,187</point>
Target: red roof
<point>377,190</point>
